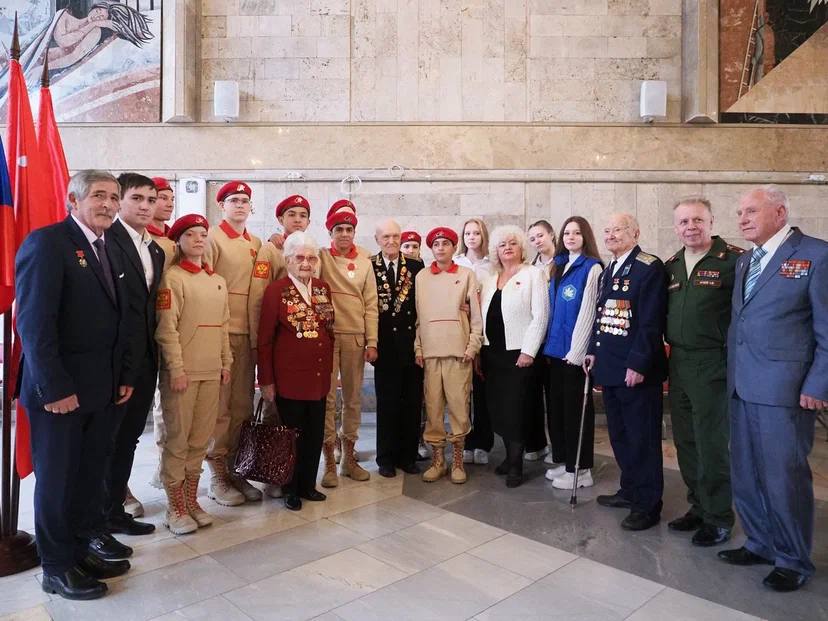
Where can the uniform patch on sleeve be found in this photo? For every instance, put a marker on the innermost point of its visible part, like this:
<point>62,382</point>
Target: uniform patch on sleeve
<point>261,269</point>
<point>164,301</point>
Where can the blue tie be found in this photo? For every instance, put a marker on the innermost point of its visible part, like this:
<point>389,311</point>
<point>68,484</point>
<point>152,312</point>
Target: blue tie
<point>755,269</point>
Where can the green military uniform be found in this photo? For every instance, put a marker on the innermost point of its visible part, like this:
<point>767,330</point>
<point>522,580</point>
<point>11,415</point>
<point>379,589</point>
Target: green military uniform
<point>698,317</point>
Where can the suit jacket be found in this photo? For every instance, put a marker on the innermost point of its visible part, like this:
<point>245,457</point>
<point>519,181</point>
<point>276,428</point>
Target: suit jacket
<point>629,322</point>
<point>141,300</point>
<point>397,311</point>
<point>778,337</point>
<point>72,330</point>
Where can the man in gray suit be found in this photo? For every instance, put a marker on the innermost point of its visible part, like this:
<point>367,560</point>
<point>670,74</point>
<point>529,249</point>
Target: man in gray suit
<point>777,378</point>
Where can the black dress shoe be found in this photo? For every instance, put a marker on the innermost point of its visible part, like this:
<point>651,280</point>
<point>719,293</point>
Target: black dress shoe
<point>411,468</point>
<point>638,520</point>
<point>313,495</point>
<point>784,580</point>
<point>74,584</point>
<point>387,471</point>
<point>128,525</point>
<point>105,546</point>
<point>616,501</point>
<point>503,468</point>
<point>514,480</point>
<point>742,556</point>
<point>709,535</point>
<point>293,502</point>
<point>101,569</point>
<point>686,523</point>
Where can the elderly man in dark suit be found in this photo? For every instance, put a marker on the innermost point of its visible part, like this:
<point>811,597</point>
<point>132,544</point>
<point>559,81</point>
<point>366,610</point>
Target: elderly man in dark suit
<point>76,369</point>
<point>777,378</point>
<point>142,273</point>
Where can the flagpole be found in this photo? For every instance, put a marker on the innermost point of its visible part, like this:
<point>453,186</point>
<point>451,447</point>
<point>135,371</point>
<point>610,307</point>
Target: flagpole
<point>18,551</point>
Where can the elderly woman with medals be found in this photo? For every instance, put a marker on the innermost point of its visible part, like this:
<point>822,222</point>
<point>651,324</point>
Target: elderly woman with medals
<point>295,351</point>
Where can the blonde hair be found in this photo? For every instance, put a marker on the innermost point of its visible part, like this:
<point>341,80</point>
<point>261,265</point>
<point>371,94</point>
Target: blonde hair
<point>484,235</point>
<point>500,235</point>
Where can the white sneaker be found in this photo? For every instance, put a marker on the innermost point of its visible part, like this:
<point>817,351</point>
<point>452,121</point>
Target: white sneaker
<point>567,480</point>
<point>468,457</point>
<point>274,491</point>
<point>535,455</point>
<point>550,461</point>
<point>249,492</point>
<point>480,457</point>
<point>554,473</point>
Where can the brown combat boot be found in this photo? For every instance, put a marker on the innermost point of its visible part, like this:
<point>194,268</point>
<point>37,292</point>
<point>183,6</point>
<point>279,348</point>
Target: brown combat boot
<point>195,510</point>
<point>349,466</point>
<point>176,518</point>
<point>329,479</point>
<point>437,470</point>
<point>458,471</point>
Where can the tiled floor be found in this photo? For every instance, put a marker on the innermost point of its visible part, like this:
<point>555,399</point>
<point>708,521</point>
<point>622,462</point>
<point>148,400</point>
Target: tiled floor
<point>369,552</point>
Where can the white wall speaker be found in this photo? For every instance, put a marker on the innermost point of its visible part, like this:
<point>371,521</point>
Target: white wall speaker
<point>191,197</point>
<point>226,99</point>
<point>653,100</point>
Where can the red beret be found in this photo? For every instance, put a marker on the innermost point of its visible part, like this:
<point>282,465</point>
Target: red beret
<point>441,232</point>
<point>292,201</point>
<point>161,184</point>
<point>233,187</point>
<point>186,222</point>
<point>345,214</point>
<point>342,202</point>
<point>411,236</point>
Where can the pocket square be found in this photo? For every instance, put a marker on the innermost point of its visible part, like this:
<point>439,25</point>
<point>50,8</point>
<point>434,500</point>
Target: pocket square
<point>121,275</point>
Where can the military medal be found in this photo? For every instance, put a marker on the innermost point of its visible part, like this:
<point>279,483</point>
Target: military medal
<point>81,258</point>
<point>795,268</point>
<point>626,286</point>
<point>351,270</point>
<point>615,282</point>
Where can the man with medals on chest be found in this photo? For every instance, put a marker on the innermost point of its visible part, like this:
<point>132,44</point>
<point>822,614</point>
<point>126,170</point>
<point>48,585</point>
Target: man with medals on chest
<point>626,357</point>
<point>354,296</point>
<point>398,380</point>
<point>698,314</point>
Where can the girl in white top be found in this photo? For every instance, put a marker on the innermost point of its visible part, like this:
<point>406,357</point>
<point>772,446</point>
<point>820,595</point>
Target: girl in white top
<point>542,238</point>
<point>473,253</point>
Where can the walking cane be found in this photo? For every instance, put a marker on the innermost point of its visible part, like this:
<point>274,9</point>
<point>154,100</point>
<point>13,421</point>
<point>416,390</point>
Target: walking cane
<point>573,500</point>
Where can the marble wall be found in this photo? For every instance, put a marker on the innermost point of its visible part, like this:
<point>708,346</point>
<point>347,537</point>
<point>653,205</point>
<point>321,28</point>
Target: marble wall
<point>441,60</point>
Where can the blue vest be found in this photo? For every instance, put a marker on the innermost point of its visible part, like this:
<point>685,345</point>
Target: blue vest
<point>565,296</point>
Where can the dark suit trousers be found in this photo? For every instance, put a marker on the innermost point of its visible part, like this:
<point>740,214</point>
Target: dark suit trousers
<point>565,398</point>
<point>634,425</point>
<point>68,452</point>
<point>133,422</point>
<point>481,435</point>
<point>308,417</point>
<point>399,390</point>
<point>772,486</point>
<point>536,424</point>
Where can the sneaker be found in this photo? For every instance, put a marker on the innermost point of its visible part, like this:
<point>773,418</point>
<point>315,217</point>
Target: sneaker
<point>274,491</point>
<point>554,473</point>
<point>567,479</point>
<point>249,492</point>
<point>535,455</point>
<point>550,461</point>
<point>468,457</point>
<point>480,457</point>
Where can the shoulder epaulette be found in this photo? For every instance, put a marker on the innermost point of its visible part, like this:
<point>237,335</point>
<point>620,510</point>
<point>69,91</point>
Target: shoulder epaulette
<point>735,249</point>
<point>675,257</point>
<point>645,258</point>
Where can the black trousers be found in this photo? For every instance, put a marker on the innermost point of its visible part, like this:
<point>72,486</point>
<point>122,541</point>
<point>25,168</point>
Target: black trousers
<point>133,422</point>
<point>538,408</point>
<point>308,417</point>
<point>399,390</point>
<point>565,397</point>
<point>68,451</point>
<point>481,435</point>
<point>634,425</point>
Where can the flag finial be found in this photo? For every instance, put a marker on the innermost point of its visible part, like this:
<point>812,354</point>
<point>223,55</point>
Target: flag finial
<point>15,46</point>
<point>44,78</point>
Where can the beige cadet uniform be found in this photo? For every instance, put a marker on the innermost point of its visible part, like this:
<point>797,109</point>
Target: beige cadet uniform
<point>232,256</point>
<point>269,267</point>
<point>444,335</point>
<point>192,335</point>
<point>167,245</point>
<point>354,296</point>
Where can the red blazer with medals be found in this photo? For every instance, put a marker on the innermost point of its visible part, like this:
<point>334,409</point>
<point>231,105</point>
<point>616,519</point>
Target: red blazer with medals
<point>295,344</point>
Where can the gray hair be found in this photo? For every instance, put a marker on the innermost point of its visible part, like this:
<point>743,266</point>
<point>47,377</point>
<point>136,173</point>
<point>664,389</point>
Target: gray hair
<point>630,219</point>
<point>297,240</point>
<point>384,223</point>
<point>694,200</point>
<point>81,182</point>
<point>499,235</point>
<point>774,195</point>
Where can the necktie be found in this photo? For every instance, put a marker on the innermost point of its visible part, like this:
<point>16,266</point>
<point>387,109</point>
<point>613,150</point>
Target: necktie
<point>755,269</point>
<point>608,275</point>
<point>105,266</point>
<point>390,272</point>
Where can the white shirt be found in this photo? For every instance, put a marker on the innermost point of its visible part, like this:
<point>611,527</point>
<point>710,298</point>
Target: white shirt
<point>482,268</point>
<point>301,287</point>
<point>89,234</point>
<point>141,241</point>
<point>395,263</point>
<point>772,245</point>
<point>620,260</point>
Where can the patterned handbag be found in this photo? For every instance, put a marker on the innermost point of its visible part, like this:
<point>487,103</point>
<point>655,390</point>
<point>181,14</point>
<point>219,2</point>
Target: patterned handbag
<point>267,450</point>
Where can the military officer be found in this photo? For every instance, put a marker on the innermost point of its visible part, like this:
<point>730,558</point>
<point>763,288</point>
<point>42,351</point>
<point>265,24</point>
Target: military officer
<point>626,356</point>
<point>398,380</point>
<point>698,315</point>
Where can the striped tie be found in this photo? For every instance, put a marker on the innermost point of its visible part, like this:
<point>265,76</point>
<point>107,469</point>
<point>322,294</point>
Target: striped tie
<point>755,269</point>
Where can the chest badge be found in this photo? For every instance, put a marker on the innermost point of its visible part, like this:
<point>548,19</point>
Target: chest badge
<point>795,268</point>
<point>569,292</point>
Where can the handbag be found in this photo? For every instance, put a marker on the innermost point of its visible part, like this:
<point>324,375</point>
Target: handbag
<point>267,451</point>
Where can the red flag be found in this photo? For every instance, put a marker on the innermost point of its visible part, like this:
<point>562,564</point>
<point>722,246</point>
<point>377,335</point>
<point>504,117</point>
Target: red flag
<point>51,151</point>
<point>8,245</point>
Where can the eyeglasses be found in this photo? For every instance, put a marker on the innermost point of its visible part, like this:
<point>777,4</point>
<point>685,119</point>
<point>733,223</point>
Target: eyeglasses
<point>237,201</point>
<point>616,230</point>
<point>300,258</point>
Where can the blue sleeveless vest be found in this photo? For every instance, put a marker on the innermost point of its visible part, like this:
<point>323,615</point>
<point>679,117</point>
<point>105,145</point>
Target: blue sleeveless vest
<point>565,296</point>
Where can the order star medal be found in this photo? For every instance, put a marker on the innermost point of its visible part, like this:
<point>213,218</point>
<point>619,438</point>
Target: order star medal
<point>351,270</point>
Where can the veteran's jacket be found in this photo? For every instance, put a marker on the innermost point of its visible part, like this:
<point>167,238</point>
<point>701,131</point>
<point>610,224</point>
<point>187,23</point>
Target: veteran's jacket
<point>397,310</point>
<point>629,322</point>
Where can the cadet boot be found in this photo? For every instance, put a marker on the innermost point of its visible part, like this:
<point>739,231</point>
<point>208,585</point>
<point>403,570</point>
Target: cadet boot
<point>195,510</point>
<point>221,489</point>
<point>458,471</point>
<point>176,518</point>
<point>249,492</point>
<point>349,467</point>
<point>338,450</point>
<point>437,470</point>
<point>329,479</point>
